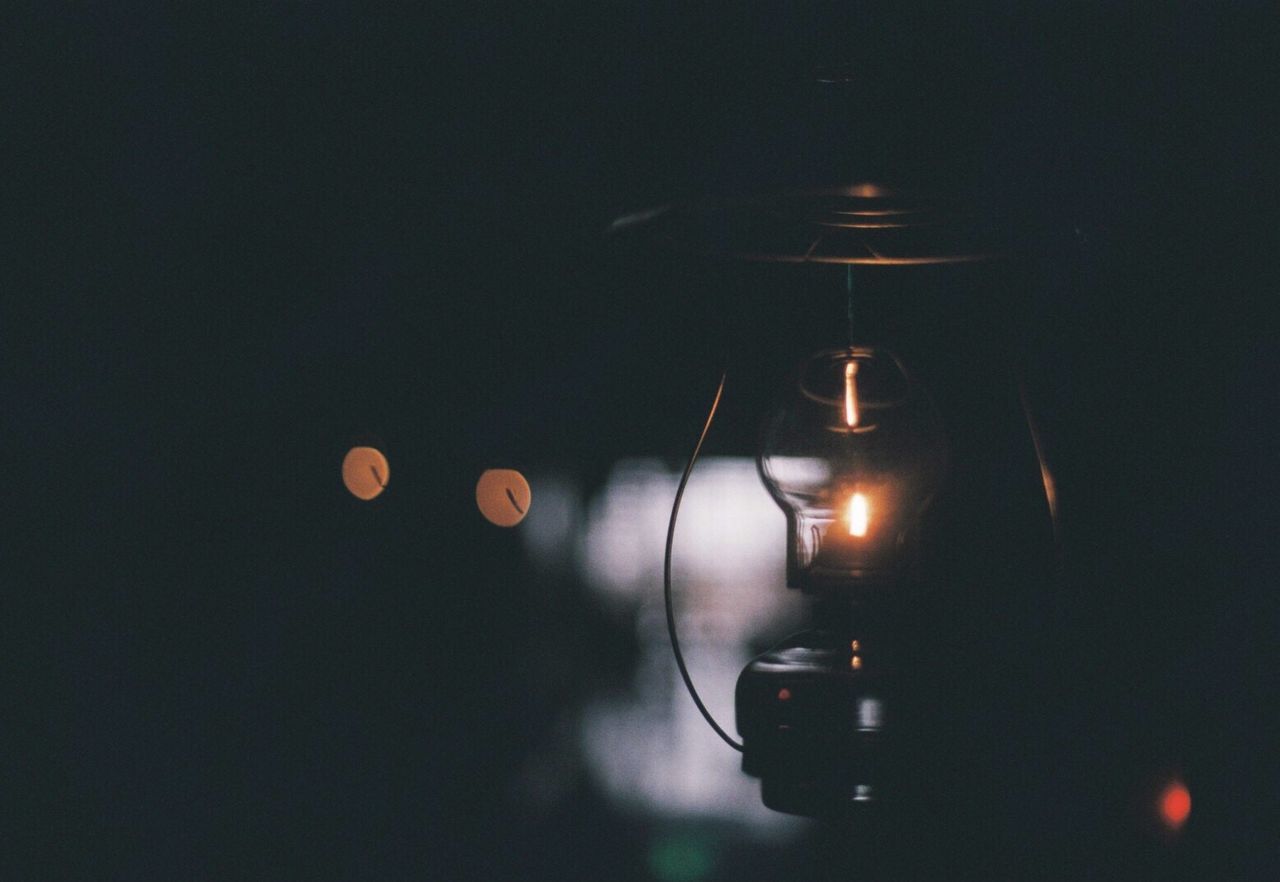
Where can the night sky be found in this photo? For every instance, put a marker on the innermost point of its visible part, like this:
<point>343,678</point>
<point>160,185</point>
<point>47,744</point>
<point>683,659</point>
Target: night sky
<point>242,241</point>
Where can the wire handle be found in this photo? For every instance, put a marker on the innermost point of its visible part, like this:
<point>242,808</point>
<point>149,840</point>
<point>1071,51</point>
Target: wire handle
<point>666,574</point>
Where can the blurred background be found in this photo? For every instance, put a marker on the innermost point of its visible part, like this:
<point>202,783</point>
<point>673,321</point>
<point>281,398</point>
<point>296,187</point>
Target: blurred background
<point>243,241</point>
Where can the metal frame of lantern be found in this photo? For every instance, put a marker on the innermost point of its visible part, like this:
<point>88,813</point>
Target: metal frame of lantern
<point>865,224</point>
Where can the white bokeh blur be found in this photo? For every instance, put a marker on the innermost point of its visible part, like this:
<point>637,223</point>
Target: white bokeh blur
<point>649,749</point>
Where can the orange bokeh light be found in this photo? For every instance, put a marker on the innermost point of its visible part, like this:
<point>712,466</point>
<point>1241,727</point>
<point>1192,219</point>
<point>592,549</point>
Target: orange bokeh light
<point>365,472</point>
<point>1175,805</point>
<point>503,496</point>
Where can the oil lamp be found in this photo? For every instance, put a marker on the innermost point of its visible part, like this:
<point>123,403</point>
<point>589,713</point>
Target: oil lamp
<point>854,453</point>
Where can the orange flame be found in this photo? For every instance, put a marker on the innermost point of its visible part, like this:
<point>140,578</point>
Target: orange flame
<point>859,515</point>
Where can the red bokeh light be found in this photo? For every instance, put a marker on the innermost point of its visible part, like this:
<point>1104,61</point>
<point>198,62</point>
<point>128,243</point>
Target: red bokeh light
<point>1175,805</point>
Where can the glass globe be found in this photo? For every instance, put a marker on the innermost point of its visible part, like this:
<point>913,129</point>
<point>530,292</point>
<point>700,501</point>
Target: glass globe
<point>853,456</point>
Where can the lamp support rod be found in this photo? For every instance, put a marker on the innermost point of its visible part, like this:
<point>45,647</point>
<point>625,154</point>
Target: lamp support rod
<point>848,286</point>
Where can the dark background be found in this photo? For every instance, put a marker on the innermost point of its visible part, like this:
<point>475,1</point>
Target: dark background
<point>241,241</point>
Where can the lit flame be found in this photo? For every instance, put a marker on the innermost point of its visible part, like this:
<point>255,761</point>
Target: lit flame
<point>858,515</point>
<point>851,394</point>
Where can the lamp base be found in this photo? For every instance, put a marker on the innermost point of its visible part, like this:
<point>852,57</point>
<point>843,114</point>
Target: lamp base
<point>811,713</point>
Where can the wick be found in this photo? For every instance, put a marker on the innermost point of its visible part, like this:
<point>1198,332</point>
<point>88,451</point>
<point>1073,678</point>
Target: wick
<point>377,477</point>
